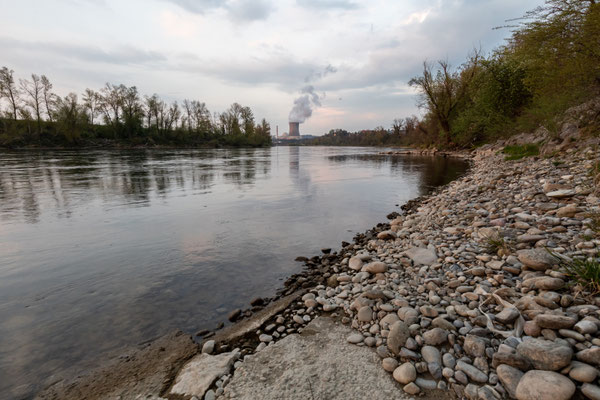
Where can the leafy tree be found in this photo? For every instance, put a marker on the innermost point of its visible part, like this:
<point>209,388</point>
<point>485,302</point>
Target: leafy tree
<point>131,110</point>
<point>263,129</point>
<point>71,118</point>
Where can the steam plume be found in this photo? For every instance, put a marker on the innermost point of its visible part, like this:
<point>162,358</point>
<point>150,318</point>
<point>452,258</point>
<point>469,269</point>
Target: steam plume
<point>303,105</point>
<point>302,109</point>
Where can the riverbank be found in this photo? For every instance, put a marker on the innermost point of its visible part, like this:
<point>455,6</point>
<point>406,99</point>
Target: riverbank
<point>456,294</point>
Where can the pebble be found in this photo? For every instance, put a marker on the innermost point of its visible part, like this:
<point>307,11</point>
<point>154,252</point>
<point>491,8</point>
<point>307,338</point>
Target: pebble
<point>355,338</point>
<point>405,373</point>
<point>397,337</point>
<point>539,385</point>
<point>591,391</point>
<point>208,347</point>
<point>389,364</point>
<point>582,372</point>
<point>472,372</point>
<point>510,377</point>
<point>545,354</point>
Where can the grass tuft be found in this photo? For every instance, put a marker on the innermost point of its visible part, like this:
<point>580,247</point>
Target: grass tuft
<point>585,273</point>
<point>496,244</point>
<point>517,152</point>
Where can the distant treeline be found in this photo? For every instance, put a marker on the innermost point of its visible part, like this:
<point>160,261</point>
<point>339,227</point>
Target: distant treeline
<point>31,114</point>
<point>404,132</point>
<point>550,62</point>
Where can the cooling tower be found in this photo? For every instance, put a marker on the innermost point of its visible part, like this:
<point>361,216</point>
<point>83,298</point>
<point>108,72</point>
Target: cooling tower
<point>294,129</point>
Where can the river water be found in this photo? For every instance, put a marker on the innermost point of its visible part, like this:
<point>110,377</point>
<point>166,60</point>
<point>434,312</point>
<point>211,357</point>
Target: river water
<point>100,250</point>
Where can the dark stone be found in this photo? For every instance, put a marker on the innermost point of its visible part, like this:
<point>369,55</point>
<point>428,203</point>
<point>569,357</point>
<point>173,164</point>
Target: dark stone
<point>257,301</point>
<point>235,314</point>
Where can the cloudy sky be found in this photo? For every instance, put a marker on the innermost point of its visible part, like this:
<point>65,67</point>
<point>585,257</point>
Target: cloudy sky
<point>358,55</point>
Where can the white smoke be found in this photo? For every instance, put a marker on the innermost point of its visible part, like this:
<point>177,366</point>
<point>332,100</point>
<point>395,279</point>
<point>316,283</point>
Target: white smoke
<point>303,105</point>
<point>302,109</point>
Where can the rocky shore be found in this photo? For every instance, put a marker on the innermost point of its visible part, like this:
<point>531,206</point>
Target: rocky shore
<point>463,295</point>
<point>466,292</point>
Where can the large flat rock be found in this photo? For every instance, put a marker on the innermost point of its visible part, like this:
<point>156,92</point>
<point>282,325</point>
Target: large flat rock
<point>317,364</point>
<point>422,256</point>
<point>196,377</point>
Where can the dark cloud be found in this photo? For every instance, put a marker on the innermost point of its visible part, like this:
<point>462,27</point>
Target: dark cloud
<point>119,55</point>
<point>328,4</point>
<point>238,10</point>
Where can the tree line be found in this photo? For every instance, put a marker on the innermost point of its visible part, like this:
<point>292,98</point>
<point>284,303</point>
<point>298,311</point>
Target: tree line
<point>403,132</point>
<point>550,62</point>
<point>32,114</point>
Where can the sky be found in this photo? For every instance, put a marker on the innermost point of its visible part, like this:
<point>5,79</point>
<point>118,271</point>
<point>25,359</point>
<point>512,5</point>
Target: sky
<point>351,58</point>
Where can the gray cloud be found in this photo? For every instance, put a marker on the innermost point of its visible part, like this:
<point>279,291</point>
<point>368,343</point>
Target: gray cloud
<point>316,75</point>
<point>199,6</point>
<point>238,10</point>
<point>284,73</point>
<point>249,10</point>
<point>328,4</point>
<point>119,55</point>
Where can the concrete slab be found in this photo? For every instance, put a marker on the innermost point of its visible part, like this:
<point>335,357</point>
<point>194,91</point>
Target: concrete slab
<point>317,364</point>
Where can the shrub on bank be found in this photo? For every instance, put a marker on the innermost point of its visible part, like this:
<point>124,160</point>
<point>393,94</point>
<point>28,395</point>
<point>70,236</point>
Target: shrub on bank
<point>517,152</point>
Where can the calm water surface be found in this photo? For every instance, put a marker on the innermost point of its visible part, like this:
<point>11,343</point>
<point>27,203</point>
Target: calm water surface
<point>100,250</point>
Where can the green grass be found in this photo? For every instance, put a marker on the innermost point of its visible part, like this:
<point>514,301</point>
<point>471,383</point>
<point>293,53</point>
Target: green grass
<point>585,273</point>
<point>496,243</point>
<point>517,152</point>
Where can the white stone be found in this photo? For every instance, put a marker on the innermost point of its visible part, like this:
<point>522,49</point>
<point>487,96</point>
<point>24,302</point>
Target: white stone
<point>197,376</point>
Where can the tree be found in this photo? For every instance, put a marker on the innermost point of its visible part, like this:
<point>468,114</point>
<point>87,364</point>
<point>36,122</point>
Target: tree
<point>9,90</point>
<point>92,103</point>
<point>131,110</point>
<point>263,129</point>
<point>70,117</point>
<point>197,117</point>
<point>247,121</point>
<point>398,126</point>
<point>49,97</point>
<point>111,100</point>
<point>443,91</point>
<point>173,116</point>
<point>230,120</point>
<point>34,89</point>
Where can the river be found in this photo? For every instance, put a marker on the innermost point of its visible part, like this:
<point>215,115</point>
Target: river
<point>100,250</point>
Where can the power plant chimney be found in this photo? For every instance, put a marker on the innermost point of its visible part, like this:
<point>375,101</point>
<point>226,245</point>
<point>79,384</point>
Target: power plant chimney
<point>294,129</point>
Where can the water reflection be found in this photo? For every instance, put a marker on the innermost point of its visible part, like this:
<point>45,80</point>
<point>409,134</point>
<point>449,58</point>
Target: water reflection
<point>105,249</point>
<point>434,171</point>
<point>63,181</point>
